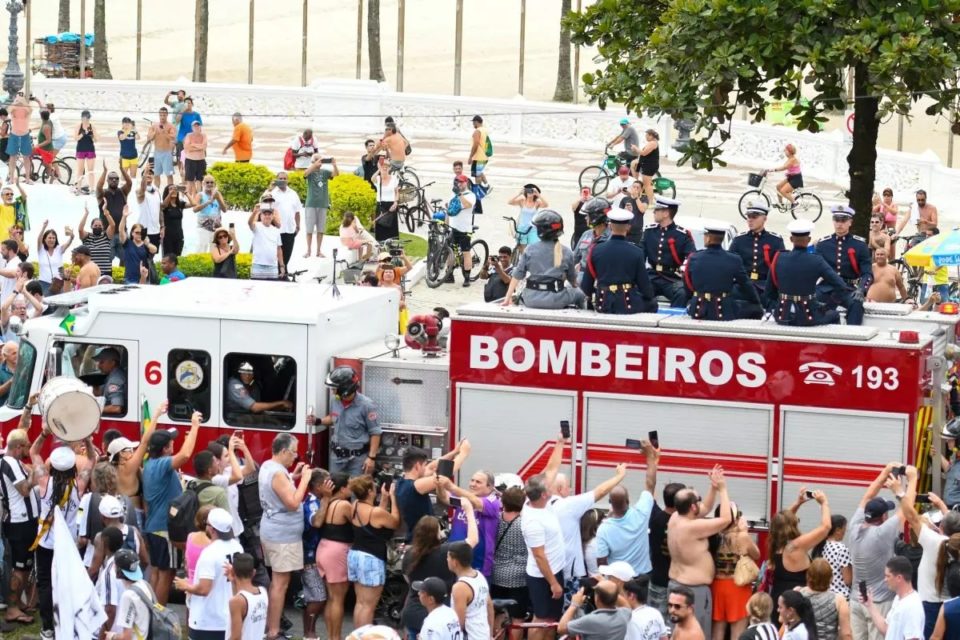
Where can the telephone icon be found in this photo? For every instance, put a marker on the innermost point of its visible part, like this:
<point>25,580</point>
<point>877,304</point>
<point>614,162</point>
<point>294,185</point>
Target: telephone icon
<point>820,373</point>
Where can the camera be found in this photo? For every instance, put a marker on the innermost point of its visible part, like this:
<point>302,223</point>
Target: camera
<point>395,249</point>
<point>386,477</point>
<point>528,191</point>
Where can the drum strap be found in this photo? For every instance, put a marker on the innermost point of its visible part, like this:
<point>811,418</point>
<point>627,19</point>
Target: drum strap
<point>48,521</point>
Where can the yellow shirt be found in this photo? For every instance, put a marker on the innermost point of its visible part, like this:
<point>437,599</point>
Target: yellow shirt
<point>242,141</point>
<point>8,217</point>
<point>481,154</point>
<point>937,276</point>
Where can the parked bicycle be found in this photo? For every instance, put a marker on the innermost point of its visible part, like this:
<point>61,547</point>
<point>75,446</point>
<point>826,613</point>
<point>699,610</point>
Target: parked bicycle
<point>444,256</point>
<point>146,149</point>
<point>806,204</point>
<point>598,176</point>
<point>416,212</point>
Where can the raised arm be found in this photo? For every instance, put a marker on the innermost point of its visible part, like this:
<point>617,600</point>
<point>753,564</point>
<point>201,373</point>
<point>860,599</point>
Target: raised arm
<point>653,460</point>
<point>818,534</point>
<point>186,451</point>
<point>82,229</point>
<point>103,178</point>
<point>123,224</point>
<point>43,230</point>
<point>553,464</point>
<point>909,500</point>
<point>111,229</point>
<point>252,220</point>
<point>877,484</point>
<point>605,487</point>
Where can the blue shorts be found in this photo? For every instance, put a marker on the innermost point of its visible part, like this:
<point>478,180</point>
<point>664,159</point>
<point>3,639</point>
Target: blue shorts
<point>476,168</point>
<point>59,143</point>
<point>365,569</point>
<point>19,145</point>
<point>529,236</point>
<point>163,163</point>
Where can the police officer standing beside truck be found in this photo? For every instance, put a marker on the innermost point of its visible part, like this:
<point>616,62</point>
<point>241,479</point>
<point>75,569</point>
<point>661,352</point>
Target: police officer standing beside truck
<point>615,277</point>
<point>355,441</point>
<point>712,276</point>
<point>667,246</point>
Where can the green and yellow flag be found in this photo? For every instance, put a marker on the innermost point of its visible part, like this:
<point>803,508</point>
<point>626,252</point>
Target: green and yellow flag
<point>68,323</point>
<point>145,416</point>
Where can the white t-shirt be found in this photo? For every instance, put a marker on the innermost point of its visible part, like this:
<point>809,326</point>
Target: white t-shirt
<point>541,528</point>
<point>905,619</point>
<point>930,541</point>
<point>50,263</point>
<point>302,162</point>
<point>7,284</point>
<point>441,624</point>
<point>212,611</point>
<point>287,203</point>
<point>133,613</point>
<point>618,184</point>
<point>646,623</point>
<point>265,242</point>
<point>569,511</point>
<point>463,221</point>
<point>150,211</point>
<point>233,497</point>
<point>109,589</point>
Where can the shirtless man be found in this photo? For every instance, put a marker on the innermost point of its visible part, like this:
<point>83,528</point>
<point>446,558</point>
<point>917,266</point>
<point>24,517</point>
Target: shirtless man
<point>887,281</point>
<point>163,135</point>
<point>127,456</point>
<point>926,215</point>
<point>681,603</point>
<point>395,145</point>
<point>691,564</point>
<point>89,271</point>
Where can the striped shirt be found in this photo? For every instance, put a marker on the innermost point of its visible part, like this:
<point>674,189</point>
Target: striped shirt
<point>16,508</point>
<point>101,251</point>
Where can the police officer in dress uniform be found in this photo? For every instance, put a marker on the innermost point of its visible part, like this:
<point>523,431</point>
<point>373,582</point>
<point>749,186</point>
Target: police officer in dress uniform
<point>616,272</point>
<point>243,396</point>
<point>547,266</point>
<point>355,441</point>
<point>114,389</point>
<point>595,210</point>
<point>792,282</point>
<point>712,275</point>
<point>849,255</point>
<point>667,246</point>
<point>757,248</point>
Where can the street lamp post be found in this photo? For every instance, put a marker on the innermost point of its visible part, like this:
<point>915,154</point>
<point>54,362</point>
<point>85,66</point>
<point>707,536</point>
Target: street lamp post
<point>12,75</point>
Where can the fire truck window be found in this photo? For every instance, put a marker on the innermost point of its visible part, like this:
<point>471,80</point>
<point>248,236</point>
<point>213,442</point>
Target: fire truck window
<point>102,366</point>
<point>260,390</point>
<point>188,384</point>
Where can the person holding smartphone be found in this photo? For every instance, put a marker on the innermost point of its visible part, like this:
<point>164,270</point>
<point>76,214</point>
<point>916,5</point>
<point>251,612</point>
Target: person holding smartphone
<point>224,252</point>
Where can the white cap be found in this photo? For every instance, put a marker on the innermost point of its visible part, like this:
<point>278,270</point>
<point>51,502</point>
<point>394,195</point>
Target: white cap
<point>842,211</point>
<point>758,206</point>
<point>620,570</point>
<point>616,214</point>
<point>63,459</point>
<point>716,227</point>
<point>121,443</point>
<point>245,367</point>
<point>662,202</point>
<point>220,519</point>
<point>800,228</point>
<point>110,507</point>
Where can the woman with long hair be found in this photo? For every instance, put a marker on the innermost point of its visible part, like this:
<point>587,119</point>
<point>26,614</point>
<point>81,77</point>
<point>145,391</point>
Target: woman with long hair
<point>197,541</point>
<point>947,625</point>
<point>426,557</point>
<point>788,551</point>
<point>137,250</point>
<point>837,555</point>
<point>224,253</point>
<point>373,527</point>
<point>796,612</point>
<point>648,162</point>
<point>830,609</point>
<point>589,524</point>
<point>50,256</point>
<point>86,154</point>
<point>793,178</point>
<point>336,536</point>
<point>730,599</point>
<point>171,216</point>
<point>387,222</point>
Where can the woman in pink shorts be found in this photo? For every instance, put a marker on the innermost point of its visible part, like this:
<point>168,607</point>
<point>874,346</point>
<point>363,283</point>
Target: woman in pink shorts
<point>354,236</point>
<point>336,536</point>
<point>86,137</point>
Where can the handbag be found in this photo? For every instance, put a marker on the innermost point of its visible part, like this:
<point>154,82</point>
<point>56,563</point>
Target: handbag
<point>746,571</point>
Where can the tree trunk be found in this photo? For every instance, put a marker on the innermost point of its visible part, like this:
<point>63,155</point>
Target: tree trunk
<point>564,90</point>
<point>101,61</point>
<point>373,40</point>
<point>63,18</point>
<point>200,32</point>
<point>862,159</point>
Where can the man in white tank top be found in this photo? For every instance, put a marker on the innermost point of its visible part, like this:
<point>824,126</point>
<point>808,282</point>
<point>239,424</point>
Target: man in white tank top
<point>471,595</point>
<point>248,608</point>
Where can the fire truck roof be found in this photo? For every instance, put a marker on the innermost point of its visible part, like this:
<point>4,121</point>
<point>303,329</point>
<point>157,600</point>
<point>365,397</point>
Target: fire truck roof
<point>223,298</point>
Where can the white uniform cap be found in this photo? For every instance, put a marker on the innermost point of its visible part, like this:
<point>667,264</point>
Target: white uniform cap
<point>758,206</point>
<point>715,227</point>
<point>245,367</point>
<point>663,202</point>
<point>63,459</point>
<point>617,214</point>
<point>800,228</point>
<point>842,210</point>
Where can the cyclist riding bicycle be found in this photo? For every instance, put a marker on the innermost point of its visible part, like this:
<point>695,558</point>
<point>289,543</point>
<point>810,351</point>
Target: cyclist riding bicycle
<point>793,178</point>
<point>461,223</point>
<point>630,139</point>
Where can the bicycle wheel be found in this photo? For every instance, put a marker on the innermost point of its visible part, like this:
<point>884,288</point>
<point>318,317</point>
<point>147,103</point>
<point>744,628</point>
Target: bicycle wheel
<point>438,264</point>
<point>406,214</point>
<point>145,152</point>
<point>808,207</point>
<point>480,252</point>
<point>600,185</point>
<point>58,173</point>
<point>408,175</point>
<point>748,198</point>
<point>589,175</point>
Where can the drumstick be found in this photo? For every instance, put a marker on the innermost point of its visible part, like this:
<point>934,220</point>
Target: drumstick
<point>58,425</point>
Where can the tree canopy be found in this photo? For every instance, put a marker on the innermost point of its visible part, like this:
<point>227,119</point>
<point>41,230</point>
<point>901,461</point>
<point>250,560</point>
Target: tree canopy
<point>701,59</point>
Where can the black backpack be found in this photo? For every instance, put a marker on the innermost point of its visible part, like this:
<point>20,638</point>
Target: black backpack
<point>183,511</point>
<point>248,501</point>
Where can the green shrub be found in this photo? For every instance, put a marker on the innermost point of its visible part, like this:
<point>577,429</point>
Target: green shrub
<point>350,193</point>
<point>199,265</point>
<point>241,183</point>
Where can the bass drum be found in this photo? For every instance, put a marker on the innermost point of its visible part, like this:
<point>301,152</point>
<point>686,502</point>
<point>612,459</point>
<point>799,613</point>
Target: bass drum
<point>69,408</point>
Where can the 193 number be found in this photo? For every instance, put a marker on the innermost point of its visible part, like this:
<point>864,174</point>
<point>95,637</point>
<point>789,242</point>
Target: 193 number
<point>876,377</point>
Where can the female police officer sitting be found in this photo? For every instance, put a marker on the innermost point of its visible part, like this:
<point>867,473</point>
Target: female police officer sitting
<point>547,266</point>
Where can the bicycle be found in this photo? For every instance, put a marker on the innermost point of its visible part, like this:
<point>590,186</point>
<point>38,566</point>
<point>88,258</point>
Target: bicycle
<point>416,215</point>
<point>516,234</point>
<point>146,150</point>
<point>46,174</point>
<point>598,176</point>
<point>443,256</point>
<point>807,205</point>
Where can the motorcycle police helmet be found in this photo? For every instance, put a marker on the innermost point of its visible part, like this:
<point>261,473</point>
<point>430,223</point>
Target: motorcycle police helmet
<point>344,379</point>
<point>596,210</point>
<point>549,224</point>
<point>951,429</point>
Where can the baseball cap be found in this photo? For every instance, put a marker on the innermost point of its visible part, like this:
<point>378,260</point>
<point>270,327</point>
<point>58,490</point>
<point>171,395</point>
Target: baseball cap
<point>129,564</point>
<point>435,587</point>
<point>119,445</point>
<point>63,458</point>
<point>220,519</point>
<point>624,120</point>
<point>877,507</point>
<point>110,507</point>
<point>107,353</point>
<point>462,178</point>
<point>383,255</point>
<point>161,438</point>
<point>620,570</point>
<point>623,171</point>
